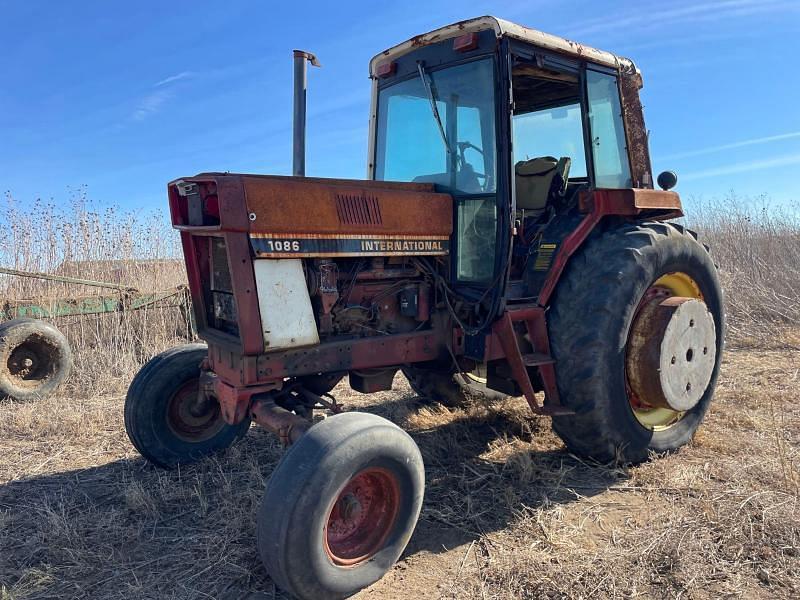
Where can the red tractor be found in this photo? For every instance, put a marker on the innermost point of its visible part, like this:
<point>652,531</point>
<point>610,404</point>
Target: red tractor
<point>507,241</point>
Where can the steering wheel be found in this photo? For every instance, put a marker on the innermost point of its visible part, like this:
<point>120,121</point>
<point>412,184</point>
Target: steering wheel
<point>484,223</point>
<point>462,148</point>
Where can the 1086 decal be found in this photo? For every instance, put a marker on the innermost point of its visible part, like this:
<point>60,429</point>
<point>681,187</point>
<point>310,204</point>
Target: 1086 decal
<point>282,245</point>
<point>348,246</point>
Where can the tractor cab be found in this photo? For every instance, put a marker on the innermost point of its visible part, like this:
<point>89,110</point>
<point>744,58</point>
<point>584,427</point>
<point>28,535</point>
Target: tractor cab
<point>515,125</point>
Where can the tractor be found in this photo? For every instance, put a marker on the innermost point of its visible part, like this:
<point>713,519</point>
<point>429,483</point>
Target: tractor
<point>507,240</point>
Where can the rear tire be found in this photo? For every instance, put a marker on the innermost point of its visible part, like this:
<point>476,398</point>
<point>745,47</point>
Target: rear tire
<point>35,359</point>
<point>340,507</point>
<point>447,388</point>
<point>158,417</point>
<point>589,321</point>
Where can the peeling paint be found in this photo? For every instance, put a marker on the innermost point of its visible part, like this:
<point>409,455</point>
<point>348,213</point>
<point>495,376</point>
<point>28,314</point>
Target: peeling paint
<point>503,28</point>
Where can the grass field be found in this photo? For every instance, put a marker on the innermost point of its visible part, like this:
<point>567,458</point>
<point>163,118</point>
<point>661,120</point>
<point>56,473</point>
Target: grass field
<point>508,512</point>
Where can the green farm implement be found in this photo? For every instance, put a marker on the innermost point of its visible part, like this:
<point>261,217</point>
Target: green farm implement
<point>35,357</point>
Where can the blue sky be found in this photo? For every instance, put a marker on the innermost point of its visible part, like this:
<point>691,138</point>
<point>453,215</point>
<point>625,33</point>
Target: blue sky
<point>122,97</point>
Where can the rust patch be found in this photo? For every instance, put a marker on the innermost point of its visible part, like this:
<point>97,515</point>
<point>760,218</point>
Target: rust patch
<point>630,202</point>
<point>290,205</point>
<point>636,132</point>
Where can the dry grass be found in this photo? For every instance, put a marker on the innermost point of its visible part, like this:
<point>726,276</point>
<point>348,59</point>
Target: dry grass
<point>508,512</point>
<point>757,248</point>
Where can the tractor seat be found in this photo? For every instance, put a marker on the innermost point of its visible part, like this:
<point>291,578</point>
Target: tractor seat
<point>539,179</point>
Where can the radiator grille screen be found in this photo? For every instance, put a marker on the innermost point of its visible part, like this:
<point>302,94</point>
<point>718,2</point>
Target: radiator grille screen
<point>221,305</point>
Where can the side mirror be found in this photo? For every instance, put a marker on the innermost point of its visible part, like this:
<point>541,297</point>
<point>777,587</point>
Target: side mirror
<point>667,180</point>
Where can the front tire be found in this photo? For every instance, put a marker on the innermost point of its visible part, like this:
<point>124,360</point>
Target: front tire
<point>590,320</point>
<point>340,507</point>
<point>161,416</point>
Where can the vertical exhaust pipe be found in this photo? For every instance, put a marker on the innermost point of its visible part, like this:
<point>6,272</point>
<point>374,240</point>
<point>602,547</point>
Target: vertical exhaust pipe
<point>299,127</point>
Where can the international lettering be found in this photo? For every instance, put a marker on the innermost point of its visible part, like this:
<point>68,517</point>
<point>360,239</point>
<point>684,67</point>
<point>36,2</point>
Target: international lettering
<point>402,246</point>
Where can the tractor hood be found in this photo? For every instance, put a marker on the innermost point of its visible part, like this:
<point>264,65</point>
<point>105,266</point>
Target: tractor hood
<point>314,217</point>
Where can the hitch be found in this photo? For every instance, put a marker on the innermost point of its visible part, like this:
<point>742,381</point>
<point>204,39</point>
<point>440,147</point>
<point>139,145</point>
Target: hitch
<point>266,410</point>
<point>266,405</point>
<point>288,426</point>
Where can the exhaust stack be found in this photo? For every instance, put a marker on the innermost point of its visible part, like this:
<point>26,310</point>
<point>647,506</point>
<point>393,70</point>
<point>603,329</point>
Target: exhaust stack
<point>300,85</point>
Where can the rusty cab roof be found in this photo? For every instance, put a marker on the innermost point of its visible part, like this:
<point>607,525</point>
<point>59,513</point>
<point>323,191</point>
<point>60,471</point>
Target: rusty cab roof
<point>503,28</point>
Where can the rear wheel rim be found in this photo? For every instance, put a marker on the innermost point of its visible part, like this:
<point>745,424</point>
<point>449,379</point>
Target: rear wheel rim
<point>676,284</point>
<point>186,422</point>
<point>361,517</point>
<point>32,361</point>
<point>477,375</point>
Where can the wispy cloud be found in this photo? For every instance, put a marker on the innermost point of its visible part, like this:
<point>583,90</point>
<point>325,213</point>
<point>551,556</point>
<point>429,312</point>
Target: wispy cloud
<point>744,167</point>
<point>683,14</point>
<point>155,100</point>
<point>732,146</point>
<point>173,78</point>
<point>151,104</point>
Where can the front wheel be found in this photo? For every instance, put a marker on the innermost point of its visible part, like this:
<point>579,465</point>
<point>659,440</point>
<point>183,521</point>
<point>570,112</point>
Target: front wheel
<point>636,327</point>
<point>340,507</point>
<point>163,417</point>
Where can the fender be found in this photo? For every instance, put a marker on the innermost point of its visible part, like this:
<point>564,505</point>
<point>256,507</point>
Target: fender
<point>561,241</point>
<point>631,203</point>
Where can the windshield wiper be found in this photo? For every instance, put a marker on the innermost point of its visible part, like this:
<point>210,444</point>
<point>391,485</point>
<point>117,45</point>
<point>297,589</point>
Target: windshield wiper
<point>426,83</point>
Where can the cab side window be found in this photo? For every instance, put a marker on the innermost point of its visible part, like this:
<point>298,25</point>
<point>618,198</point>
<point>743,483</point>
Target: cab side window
<point>609,150</point>
<point>556,131</point>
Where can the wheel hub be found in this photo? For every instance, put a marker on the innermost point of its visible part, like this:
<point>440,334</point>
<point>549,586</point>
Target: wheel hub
<point>671,352</point>
<point>22,363</point>
<point>362,517</point>
<point>350,508</point>
<point>31,361</point>
<point>191,420</point>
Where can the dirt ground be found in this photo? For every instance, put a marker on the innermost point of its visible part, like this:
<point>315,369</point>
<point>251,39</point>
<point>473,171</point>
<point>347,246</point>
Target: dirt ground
<point>508,512</point>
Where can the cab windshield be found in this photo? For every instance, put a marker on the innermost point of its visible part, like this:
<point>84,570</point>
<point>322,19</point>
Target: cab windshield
<point>452,145</point>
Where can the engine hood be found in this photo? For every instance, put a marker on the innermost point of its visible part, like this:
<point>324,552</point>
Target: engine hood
<point>305,216</point>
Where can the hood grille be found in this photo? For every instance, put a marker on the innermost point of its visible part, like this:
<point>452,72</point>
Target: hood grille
<point>358,210</point>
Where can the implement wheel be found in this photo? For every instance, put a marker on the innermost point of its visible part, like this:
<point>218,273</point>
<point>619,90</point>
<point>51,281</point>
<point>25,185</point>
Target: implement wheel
<point>35,359</point>
<point>450,389</point>
<point>636,327</point>
<point>164,419</point>
<point>340,507</point>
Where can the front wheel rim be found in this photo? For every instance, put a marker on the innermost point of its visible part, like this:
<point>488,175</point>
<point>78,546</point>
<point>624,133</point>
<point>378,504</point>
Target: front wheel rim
<point>670,285</point>
<point>185,422</point>
<point>361,517</point>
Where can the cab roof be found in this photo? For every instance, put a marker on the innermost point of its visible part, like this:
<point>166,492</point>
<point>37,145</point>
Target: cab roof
<point>503,28</point>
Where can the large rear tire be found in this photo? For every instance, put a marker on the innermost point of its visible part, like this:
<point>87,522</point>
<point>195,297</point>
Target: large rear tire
<point>162,418</point>
<point>450,389</point>
<point>340,507</point>
<point>35,359</point>
<point>597,301</point>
